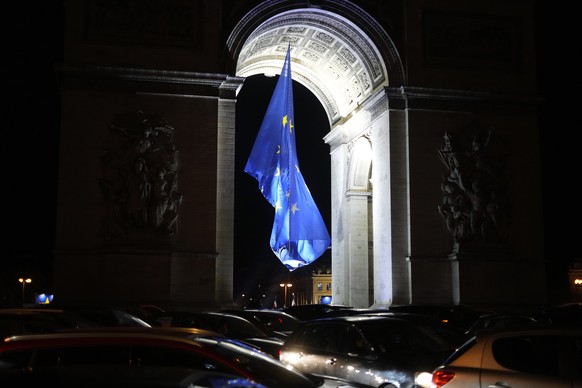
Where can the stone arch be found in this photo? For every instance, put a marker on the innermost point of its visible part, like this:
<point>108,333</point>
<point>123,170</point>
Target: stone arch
<point>360,166</point>
<point>347,60</point>
<point>338,51</point>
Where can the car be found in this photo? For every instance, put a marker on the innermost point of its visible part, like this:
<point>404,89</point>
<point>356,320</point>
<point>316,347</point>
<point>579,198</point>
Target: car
<point>29,357</point>
<point>459,316</point>
<point>564,315</point>
<point>123,376</point>
<point>305,312</point>
<point>501,320</point>
<point>515,357</point>
<point>184,332</point>
<point>451,334</point>
<point>378,351</point>
<point>342,312</point>
<point>30,320</point>
<point>277,322</point>
<point>232,326</point>
<point>108,316</point>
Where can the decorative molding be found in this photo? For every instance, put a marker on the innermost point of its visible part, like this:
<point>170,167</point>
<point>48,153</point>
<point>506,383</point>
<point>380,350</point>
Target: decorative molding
<point>402,98</point>
<point>332,53</point>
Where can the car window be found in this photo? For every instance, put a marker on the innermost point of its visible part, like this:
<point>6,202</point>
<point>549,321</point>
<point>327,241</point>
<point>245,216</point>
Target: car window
<point>402,338</point>
<point>332,338</point>
<point>239,328</point>
<point>543,354</point>
<point>352,342</point>
<point>320,337</point>
<point>388,339</point>
<point>277,322</point>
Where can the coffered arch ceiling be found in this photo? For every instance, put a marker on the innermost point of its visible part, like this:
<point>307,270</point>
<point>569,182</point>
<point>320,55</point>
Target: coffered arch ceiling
<point>331,56</point>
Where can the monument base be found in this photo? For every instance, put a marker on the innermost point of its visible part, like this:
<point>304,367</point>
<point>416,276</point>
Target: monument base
<point>486,276</point>
<point>161,278</point>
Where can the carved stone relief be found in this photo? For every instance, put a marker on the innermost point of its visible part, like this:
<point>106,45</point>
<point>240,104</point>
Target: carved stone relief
<point>475,204</point>
<point>140,177</point>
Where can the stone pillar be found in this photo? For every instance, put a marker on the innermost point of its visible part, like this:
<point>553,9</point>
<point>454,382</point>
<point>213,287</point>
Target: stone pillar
<point>225,190</point>
<point>339,219</point>
<point>358,248</point>
<point>382,204</point>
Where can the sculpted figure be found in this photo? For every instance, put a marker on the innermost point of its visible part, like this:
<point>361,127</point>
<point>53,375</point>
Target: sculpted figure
<point>473,191</point>
<point>140,171</point>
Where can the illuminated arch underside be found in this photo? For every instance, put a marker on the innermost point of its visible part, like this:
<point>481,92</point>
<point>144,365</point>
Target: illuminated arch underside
<point>330,56</point>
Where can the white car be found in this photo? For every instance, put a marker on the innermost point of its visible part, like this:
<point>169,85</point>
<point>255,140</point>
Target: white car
<point>516,358</point>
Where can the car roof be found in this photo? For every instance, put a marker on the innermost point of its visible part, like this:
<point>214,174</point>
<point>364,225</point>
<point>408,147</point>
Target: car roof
<point>361,317</point>
<point>358,319</point>
<point>267,311</point>
<point>114,333</point>
<point>58,340</point>
<point>180,331</point>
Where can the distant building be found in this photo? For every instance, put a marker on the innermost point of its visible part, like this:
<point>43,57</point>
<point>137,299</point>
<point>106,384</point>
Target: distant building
<point>575,279</point>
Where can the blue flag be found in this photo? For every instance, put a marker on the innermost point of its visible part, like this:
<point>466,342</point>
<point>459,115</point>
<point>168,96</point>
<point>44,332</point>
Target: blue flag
<point>299,235</point>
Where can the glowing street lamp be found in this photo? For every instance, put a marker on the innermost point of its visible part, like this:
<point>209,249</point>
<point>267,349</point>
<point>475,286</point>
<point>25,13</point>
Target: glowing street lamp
<point>578,285</point>
<point>24,282</point>
<point>285,286</point>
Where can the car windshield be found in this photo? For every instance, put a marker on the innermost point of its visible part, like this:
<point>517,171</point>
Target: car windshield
<point>271,371</point>
<point>275,321</point>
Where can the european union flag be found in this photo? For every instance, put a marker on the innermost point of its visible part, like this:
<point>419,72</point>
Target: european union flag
<point>299,235</point>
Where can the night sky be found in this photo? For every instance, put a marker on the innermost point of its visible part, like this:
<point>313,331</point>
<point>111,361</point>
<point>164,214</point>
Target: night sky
<point>256,262</point>
<point>33,40</point>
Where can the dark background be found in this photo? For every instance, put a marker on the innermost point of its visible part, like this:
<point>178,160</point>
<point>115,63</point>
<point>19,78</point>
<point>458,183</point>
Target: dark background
<point>32,37</point>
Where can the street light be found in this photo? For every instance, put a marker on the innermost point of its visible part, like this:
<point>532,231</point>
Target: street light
<point>578,285</point>
<point>285,286</point>
<point>24,282</point>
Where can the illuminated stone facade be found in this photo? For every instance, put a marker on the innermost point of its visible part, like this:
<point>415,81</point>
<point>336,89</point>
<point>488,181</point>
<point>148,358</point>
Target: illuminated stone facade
<point>392,77</point>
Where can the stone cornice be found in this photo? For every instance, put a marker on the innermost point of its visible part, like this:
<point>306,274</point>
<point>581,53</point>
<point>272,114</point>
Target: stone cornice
<point>404,97</point>
<point>178,81</point>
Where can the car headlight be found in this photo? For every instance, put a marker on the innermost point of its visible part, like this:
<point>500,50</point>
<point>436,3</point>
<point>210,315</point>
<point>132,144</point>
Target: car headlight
<point>423,379</point>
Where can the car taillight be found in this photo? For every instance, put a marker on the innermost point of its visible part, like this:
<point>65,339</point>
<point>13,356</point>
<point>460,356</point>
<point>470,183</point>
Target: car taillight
<point>440,378</point>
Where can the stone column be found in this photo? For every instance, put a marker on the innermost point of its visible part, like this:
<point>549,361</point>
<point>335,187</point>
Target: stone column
<point>358,248</point>
<point>382,202</point>
<point>225,190</point>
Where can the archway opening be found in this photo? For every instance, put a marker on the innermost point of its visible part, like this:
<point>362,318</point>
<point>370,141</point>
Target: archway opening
<point>345,59</point>
<point>258,271</point>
